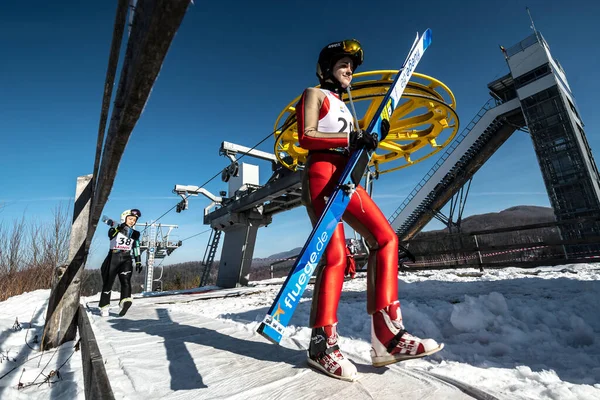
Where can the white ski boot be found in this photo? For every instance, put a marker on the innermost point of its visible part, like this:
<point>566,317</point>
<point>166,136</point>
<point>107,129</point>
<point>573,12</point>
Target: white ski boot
<point>325,355</point>
<point>391,343</point>
<point>104,311</point>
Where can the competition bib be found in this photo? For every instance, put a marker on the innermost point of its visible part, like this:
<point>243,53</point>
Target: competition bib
<point>338,117</point>
<point>121,242</point>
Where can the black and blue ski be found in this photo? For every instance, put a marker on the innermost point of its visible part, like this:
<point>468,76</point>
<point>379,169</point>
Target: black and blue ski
<point>280,313</point>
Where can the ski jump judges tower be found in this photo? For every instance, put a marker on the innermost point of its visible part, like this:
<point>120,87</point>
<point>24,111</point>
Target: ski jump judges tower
<point>566,161</point>
<point>534,94</point>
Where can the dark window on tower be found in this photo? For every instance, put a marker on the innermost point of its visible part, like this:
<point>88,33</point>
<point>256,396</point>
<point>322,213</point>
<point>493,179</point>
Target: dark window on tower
<point>532,75</point>
<point>573,108</point>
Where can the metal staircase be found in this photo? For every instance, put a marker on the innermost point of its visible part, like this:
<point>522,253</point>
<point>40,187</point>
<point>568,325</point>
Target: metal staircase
<point>487,106</point>
<point>209,255</point>
<point>482,137</point>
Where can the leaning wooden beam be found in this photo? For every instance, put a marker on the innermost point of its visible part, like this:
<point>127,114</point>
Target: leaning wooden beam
<point>154,27</point>
<point>63,304</point>
<point>109,82</point>
<point>95,380</point>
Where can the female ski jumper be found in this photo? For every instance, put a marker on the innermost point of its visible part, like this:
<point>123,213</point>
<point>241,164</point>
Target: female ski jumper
<point>325,128</point>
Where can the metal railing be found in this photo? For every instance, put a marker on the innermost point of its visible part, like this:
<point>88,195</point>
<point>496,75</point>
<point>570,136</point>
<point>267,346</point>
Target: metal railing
<point>451,175</point>
<point>523,44</point>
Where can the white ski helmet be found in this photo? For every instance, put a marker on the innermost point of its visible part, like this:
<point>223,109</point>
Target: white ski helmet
<point>133,212</point>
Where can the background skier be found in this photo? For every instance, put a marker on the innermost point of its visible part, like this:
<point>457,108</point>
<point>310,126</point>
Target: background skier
<point>350,261</point>
<point>124,240</point>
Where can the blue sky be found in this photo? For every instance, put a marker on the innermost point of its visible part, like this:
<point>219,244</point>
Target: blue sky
<point>228,75</point>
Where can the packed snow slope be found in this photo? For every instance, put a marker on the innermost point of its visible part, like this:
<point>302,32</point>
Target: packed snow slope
<point>513,333</point>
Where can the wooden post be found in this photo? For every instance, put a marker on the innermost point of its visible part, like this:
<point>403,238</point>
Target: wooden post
<point>61,316</point>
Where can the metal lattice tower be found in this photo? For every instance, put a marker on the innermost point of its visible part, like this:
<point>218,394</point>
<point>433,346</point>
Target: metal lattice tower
<point>150,258</point>
<point>564,155</point>
<point>157,246</point>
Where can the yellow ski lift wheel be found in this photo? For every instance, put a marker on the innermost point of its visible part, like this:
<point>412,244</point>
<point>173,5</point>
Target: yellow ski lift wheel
<point>424,122</point>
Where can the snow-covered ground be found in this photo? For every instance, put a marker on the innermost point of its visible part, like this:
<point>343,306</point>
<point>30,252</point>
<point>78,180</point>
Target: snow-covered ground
<point>25,371</point>
<point>516,334</point>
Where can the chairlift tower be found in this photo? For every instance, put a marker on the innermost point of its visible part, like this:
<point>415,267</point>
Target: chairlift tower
<point>158,246</point>
<point>239,212</point>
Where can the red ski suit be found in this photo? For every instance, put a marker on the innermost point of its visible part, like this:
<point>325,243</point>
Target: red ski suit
<point>324,124</point>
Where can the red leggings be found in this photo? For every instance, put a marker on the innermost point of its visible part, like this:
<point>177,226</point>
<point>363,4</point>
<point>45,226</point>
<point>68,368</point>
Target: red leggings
<point>363,215</point>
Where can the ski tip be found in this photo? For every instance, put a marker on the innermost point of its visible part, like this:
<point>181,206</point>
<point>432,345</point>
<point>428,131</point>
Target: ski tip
<point>426,38</point>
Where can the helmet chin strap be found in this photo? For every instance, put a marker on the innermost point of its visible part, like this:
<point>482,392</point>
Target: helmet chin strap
<point>333,85</point>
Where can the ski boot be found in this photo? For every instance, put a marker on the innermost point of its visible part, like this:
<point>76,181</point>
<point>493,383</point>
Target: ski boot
<point>391,343</point>
<point>325,355</point>
<point>104,310</point>
<point>124,305</point>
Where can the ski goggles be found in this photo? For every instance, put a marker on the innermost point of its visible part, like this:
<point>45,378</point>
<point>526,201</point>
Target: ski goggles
<point>354,48</point>
<point>135,212</point>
